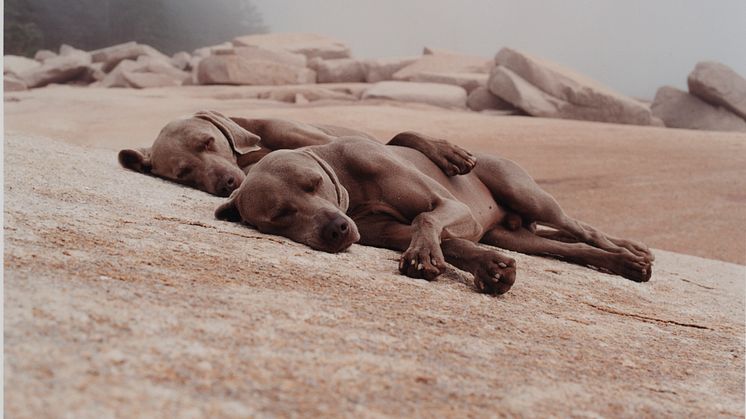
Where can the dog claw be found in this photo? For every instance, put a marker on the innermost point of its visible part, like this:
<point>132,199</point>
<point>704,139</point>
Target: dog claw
<point>502,265</point>
<point>420,267</point>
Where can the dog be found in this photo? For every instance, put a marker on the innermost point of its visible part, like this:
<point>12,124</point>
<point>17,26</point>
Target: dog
<point>211,152</point>
<point>331,196</point>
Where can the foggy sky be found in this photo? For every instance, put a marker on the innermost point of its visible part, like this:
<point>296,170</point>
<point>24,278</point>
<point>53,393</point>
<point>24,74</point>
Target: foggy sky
<point>633,46</point>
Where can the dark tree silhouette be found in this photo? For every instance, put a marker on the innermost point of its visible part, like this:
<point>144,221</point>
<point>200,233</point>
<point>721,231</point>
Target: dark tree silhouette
<point>168,25</point>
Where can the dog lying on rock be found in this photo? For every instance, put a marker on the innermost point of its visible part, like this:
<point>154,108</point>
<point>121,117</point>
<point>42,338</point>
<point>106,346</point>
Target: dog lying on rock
<point>352,189</point>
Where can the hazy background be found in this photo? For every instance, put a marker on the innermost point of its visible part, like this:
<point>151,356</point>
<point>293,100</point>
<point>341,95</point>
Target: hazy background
<point>634,46</point>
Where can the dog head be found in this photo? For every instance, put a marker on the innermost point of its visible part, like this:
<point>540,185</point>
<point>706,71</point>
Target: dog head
<point>199,151</point>
<point>297,195</point>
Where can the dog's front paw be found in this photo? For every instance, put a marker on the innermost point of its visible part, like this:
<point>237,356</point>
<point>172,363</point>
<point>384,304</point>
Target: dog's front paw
<point>453,160</point>
<point>494,273</point>
<point>422,262</point>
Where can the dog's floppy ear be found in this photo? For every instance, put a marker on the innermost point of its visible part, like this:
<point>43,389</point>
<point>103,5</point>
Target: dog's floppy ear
<point>137,160</point>
<point>228,211</point>
<point>241,140</point>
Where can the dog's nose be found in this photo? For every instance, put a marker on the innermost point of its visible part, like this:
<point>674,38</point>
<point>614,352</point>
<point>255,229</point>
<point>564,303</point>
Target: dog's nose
<point>228,185</point>
<point>336,233</point>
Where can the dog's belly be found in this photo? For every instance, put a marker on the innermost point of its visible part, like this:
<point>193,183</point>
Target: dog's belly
<point>466,188</point>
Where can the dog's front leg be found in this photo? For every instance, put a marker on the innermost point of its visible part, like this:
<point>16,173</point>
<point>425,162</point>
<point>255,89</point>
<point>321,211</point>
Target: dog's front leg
<point>447,220</point>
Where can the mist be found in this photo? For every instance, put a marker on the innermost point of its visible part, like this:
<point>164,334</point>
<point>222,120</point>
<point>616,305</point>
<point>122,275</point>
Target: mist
<point>633,46</point>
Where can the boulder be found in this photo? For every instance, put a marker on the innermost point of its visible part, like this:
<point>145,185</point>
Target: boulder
<point>382,69</point>
<point>679,109</point>
<point>207,51</point>
<point>44,54</point>
<point>719,85</point>
<point>111,56</point>
<point>235,69</point>
<point>15,64</point>
<point>13,84</point>
<point>57,70</point>
<point>308,44</point>
<point>159,66</point>
<point>115,78</point>
<point>275,55</point>
<point>443,63</point>
<point>469,81</point>
<point>181,60</point>
<point>143,80</point>
<point>442,95</point>
<point>342,70</point>
<point>292,94</point>
<point>481,99</point>
<point>543,88</point>
<point>67,50</point>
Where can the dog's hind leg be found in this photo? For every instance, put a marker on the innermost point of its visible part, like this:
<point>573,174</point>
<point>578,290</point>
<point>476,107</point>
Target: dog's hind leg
<point>513,188</point>
<point>626,264</point>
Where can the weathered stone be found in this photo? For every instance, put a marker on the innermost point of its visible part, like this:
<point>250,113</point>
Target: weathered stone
<point>57,70</point>
<point>44,54</point>
<point>16,64</point>
<point>469,81</point>
<point>443,63</point>
<point>143,80</point>
<point>159,66</point>
<point>382,69</point>
<point>719,85</point>
<point>290,94</point>
<point>234,69</point>
<point>276,55</point>
<point>679,109</point>
<point>308,44</point>
<point>342,70</point>
<point>67,50</point>
<point>481,99</point>
<point>13,84</point>
<point>115,78</point>
<point>431,93</point>
<point>207,51</point>
<point>543,88</point>
<point>111,56</point>
<point>181,60</point>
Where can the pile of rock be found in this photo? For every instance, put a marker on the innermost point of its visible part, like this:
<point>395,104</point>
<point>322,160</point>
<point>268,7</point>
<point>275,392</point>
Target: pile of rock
<point>512,83</point>
<point>716,100</point>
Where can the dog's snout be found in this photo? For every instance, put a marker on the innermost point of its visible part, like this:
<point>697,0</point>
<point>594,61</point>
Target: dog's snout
<point>228,185</point>
<point>337,233</point>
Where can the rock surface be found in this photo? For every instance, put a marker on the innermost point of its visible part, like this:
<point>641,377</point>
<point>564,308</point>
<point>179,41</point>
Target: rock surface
<point>15,64</point>
<point>59,69</point>
<point>309,44</point>
<point>342,70</point>
<point>679,109</point>
<point>235,69</point>
<point>111,56</point>
<point>543,88</point>
<point>276,55</point>
<point>13,84</point>
<point>468,81</point>
<point>124,297</point>
<point>383,69</point>
<point>719,85</point>
<point>443,63</point>
<point>430,93</point>
<point>481,99</point>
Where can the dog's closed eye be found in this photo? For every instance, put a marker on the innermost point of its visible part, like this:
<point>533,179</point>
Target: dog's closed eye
<point>312,185</point>
<point>284,213</point>
<point>183,172</point>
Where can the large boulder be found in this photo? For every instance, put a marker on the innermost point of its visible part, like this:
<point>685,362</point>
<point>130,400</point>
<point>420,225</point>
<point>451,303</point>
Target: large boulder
<point>144,80</point>
<point>267,54</point>
<point>235,69</point>
<point>469,81</point>
<point>181,60</point>
<point>719,85</point>
<point>308,44</point>
<point>13,84</point>
<point>44,54</point>
<point>111,56</point>
<point>207,51</point>
<point>546,89</point>
<point>678,109</point>
<point>59,69</point>
<point>442,95</point>
<point>16,64</point>
<point>443,63</point>
<point>481,99</point>
<point>144,73</point>
<point>382,69</point>
<point>341,70</point>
